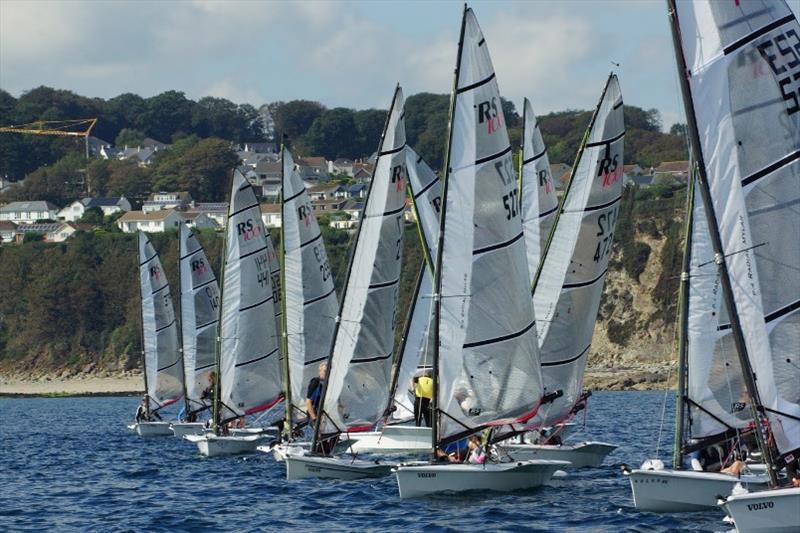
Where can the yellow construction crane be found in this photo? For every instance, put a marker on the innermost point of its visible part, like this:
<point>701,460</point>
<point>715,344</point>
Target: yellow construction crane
<point>62,128</point>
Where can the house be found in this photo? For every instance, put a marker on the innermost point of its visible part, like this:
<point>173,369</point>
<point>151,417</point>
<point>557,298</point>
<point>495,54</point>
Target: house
<point>362,172</point>
<point>154,144</point>
<point>65,230</point>
<point>37,228</point>
<point>323,192</point>
<point>251,159</point>
<point>98,147</point>
<point>108,206</point>
<point>197,219</point>
<point>334,204</point>
<point>671,171</point>
<point>269,177</point>
<point>141,156</point>
<point>28,212</point>
<point>7,231</point>
<point>354,210</point>
<point>167,200</point>
<point>339,220</point>
<point>357,190</point>
<point>271,215</point>
<point>149,221</point>
<point>341,166</point>
<point>313,168</point>
<point>216,211</point>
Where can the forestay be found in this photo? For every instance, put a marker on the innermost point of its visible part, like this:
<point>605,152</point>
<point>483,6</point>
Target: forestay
<point>360,365</point>
<point>163,371</point>
<point>488,360</point>
<point>311,303</point>
<point>199,314</point>
<point>744,73</point>
<point>716,390</point>
<point>570,281</point>
<point>417,346</point>
<point>249,360</point>
<point>537,190</point>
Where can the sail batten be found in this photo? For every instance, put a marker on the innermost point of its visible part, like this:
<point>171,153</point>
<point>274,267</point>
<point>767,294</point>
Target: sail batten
<point>160,343</point>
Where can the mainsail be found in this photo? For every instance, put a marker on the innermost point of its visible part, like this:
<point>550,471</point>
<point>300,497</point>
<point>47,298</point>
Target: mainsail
<point>537,189</point>
<point>199,314</point>
<point>741,85</point>
<point>569,284</point>
<point>486,362</point>
<point>360,363</point>
<point>311,304</point>
<point>163,371</point>
<point>417,347</point>
<point>249,361</point>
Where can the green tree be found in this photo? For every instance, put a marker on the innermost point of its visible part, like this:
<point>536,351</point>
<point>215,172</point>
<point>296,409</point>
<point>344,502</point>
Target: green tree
<point>166,114</point>
<point>128,179</point>
<point>93,216</point>
<point>332,134</point>
<point>130,138</point>
<point>369,125</point>
<point>200,166</point>
<point>294,118</point>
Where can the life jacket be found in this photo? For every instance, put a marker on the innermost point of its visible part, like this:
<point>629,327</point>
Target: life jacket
<point>424,387</point>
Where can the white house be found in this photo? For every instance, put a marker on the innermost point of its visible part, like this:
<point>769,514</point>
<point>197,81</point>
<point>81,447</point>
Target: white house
<point>108,206</point>
<point>341,166</point>
<point>151,221</point>
<point>167,200</point>
<point>216,211</point>
<point>7,231</point>
<point>198,219</point>
<point>64,231</point>
<point>323,192</point>
<point>28,212</point>
<point>271,215</point>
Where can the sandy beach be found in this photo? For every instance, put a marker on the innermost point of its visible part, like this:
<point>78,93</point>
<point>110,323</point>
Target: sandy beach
<point>78,385</point>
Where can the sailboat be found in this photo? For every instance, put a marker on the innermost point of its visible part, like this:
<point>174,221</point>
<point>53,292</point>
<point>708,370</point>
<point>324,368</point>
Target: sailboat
<point>568,272</point>
<point>400,434</point>
<point>309,303</point>
<point>745,137</point>
<point>163,373</point>
<point>198,310</point>
<point>486,370</point>
<point>247,352</point>
<point>360,361</point>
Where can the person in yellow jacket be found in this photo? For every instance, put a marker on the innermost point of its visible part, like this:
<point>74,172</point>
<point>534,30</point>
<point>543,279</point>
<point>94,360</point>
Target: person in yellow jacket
<point>423,395</point>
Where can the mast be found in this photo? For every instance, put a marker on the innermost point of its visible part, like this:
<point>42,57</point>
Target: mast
<point>186,405</point>
<point>318,422</point>
<point>437,272</point>
<point>719,253</point>
<point>218,347</point>
<point>569,183</point>
<point>141,325</point>
<point>287,393</point>
<point>521,163</point>
<point>683,324</point>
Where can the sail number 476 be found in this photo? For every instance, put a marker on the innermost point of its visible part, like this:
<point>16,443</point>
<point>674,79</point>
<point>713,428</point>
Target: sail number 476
<point>605,223</point>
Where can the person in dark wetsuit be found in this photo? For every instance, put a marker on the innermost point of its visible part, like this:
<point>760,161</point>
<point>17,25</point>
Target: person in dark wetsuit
<point>314,392</point>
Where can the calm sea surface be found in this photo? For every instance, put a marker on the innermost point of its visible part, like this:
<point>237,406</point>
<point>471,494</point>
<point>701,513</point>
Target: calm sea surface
<point>70,464</point>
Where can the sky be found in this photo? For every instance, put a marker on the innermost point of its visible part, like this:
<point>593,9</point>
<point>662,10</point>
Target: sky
<point>340,53</point>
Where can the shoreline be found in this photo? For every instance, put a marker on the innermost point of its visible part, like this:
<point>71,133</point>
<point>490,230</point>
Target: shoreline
<point>132,384</point>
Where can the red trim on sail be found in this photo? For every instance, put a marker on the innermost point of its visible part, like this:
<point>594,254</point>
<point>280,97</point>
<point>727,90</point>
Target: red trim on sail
<point>359,429</point>
<point>518,420</point>
<point>265,406</point>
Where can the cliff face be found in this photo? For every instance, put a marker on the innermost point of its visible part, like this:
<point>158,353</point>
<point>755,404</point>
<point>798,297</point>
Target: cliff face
<point>72,309</point>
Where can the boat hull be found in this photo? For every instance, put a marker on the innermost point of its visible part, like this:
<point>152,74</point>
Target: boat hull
<point>219,446</point>
<point>152,429</point>
<point>423,479</point>
<point>583,455</point>
<point>179,429</point>
<point>768,511</point>
<point>280,451</point>
<point>392,440</point>
<point>677,491</point>
<point>310,466</point>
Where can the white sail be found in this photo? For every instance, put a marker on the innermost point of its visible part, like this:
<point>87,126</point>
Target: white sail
<point>199,314</point>
<point>417,346</point>
<point>488,359</point>
<point>162,359</point>
<point>570,281</point>
<point>311,303</point>
<point>361,362</point>
<point>537,190</point>
<point>744,64</point>
<point>715,386</point>
<point>249,359</point>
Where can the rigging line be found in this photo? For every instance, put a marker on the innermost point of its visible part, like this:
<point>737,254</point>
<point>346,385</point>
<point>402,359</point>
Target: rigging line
<point>734,253</point>
<point>661,425</point>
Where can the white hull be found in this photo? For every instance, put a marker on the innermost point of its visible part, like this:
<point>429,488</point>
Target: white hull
<point>151,429</point>
<point>212,445</point>
<point>280,451</point>
<point>423,479</point>
<point>768,511</point>
<point>674,491</point>
<point>585,454</point>
<point>241,432</point>
<point>310,466</point>
<point>392,440</point>
<point>180,429</point>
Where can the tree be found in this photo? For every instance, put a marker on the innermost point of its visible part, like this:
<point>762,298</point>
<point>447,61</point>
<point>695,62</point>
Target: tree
<point>200,166</point>
<point>128,179</point>
<point>369,124</point>
<point>294,118</point>
<point>166,114</point>
<point>333,134</point>
<point>678,129</point>
<point>93,216</point>
<point>129,138</point>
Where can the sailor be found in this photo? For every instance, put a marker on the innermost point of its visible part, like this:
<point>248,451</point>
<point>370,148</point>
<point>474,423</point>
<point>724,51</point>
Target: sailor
<point>423,395</point>
<point>141,411</point>
<point>314,392</point>
<point>476,453</point>
<point>208,392</point>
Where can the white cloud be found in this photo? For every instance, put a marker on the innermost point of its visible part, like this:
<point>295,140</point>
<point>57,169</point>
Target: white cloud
<point>233,91</point>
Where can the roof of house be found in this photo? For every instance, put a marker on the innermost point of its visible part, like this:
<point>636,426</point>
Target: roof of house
<point>192,214</point>
<point>139,216</point>
<point>265,166</point>
<point>38,228</point>
<point>149,142</point>
<point>270,208</point>
<point>352,205</point>
<point>323,188</point>
<point>313,161</point>
<point>7,225</point>
<point>35,205</point>
<point>207,207</point>
<point>101,202</point>
<point>334,201</point>
<point>356,187</point>
<point>343,161</point>
<point>673,166</point>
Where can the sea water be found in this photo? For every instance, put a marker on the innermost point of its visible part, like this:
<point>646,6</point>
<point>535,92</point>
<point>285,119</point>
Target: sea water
<point>70,464</point>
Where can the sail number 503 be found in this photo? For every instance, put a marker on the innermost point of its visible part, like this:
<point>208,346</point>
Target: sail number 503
<point>606,223</point>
